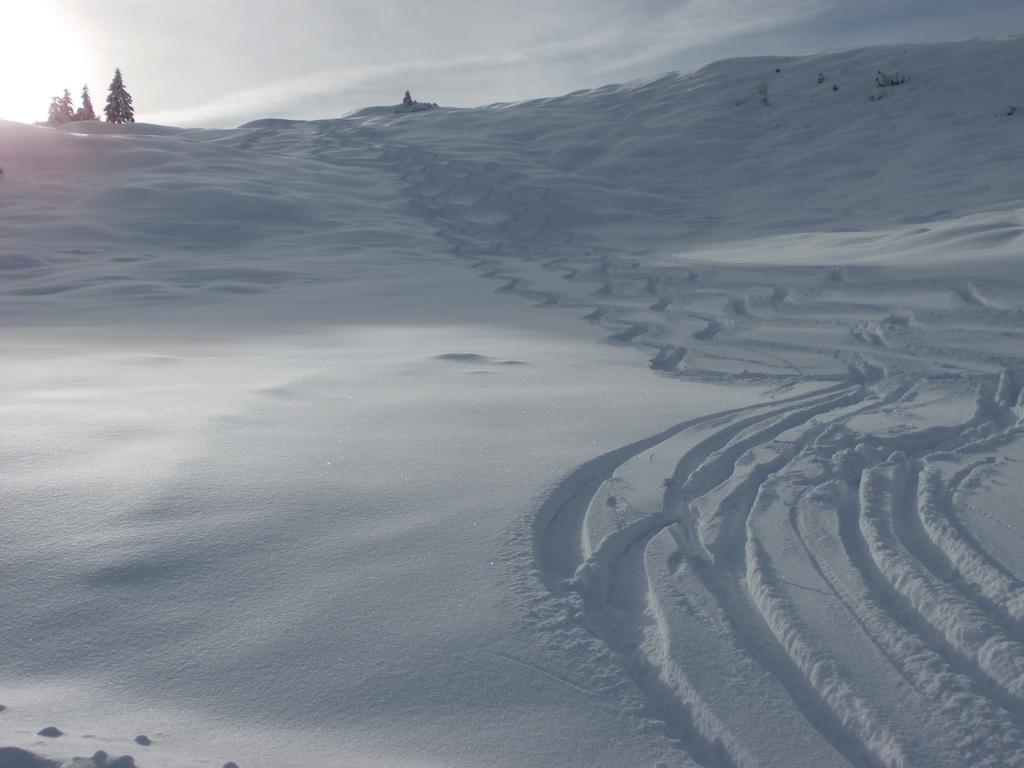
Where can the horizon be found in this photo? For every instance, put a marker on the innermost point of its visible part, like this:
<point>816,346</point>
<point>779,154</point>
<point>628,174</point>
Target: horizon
<point>317,60</point>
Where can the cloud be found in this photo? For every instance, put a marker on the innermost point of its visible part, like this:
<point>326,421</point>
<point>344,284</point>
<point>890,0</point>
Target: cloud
<point>705,23</point>
<point>465,55</point>
<point>316,91</point>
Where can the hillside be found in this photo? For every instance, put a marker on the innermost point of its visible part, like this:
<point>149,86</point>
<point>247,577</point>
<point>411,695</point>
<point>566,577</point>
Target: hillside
<point>670,423</point>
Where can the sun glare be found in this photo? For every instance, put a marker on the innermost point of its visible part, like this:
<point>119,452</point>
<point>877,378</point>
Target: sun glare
<point>42,54</point>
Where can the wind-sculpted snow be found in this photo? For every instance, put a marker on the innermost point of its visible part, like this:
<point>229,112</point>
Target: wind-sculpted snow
<point>773,521</point>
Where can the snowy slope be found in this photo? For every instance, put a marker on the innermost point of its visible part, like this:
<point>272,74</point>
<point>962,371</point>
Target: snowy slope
<point>669,423</point>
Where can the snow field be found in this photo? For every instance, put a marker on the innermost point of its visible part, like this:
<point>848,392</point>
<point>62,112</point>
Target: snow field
<point>309,457</point>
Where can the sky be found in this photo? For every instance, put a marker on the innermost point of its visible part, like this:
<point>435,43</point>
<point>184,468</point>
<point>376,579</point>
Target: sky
<point>219,63</point>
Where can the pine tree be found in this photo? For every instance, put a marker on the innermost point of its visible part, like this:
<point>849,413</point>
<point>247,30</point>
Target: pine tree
<point>53,116</point>
<point>119,102</point>
<point>86,111</point>
<point>62,110</point>
<point>67,107</point>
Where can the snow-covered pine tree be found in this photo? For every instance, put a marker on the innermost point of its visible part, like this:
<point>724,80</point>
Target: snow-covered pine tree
<point>53,115</point>
<point>119,102</point>
<point>67,107</point>
<point>86,111</point>
<point>61,109</point>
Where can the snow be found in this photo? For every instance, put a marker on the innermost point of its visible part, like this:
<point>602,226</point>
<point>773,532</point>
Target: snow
<point>648,425</point>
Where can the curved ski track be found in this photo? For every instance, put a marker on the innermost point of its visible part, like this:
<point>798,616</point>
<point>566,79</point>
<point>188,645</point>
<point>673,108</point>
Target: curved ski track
<point>788,584</point>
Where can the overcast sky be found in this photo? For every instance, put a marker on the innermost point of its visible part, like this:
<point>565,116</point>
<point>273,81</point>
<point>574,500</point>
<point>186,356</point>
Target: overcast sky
<point>222,62</point>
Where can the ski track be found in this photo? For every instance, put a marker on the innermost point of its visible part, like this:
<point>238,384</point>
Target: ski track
<point>783,559</point>
<point>787,584</point>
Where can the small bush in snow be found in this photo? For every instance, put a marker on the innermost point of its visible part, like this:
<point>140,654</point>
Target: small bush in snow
<point>821,78</point>
<point>409,104</point>
<point>762,93</point>
<point>889,79</point>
